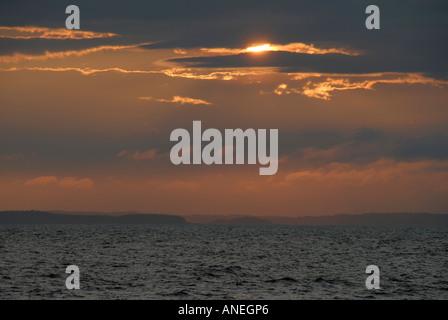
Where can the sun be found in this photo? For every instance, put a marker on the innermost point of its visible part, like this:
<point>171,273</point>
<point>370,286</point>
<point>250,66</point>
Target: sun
<point>260,48</point>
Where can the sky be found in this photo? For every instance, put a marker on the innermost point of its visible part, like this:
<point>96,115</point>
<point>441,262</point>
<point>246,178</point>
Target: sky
<point>86,115</point>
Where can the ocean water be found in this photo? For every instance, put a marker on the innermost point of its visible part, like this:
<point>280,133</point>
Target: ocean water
<point>222,262</point>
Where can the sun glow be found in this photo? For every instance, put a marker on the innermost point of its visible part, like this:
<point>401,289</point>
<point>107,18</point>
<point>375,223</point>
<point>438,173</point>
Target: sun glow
<point>261,48</point>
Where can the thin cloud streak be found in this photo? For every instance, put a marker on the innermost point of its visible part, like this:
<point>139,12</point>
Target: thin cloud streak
<point>324,89</point>
<point>71,182</point>
<point>173,72</point>
<point>228,74</point>
<point>16,57</point>
<point>84,71</point>
<point>313,88</point>
<point>138,155</point>
<point>429,172</point>
<point>41,181</point>
<point>179,99</point>
<point>297,47</point>
<point>32,32</point>
<point>185,73</point>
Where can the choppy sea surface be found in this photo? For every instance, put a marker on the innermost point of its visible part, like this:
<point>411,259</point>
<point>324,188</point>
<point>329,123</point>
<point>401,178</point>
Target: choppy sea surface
<point>222,262</point>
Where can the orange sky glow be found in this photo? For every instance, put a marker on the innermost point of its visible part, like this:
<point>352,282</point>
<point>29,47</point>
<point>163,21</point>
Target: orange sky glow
<point>86,127</point>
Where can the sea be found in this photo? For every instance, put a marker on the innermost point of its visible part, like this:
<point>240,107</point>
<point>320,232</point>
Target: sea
<point>222,262</point>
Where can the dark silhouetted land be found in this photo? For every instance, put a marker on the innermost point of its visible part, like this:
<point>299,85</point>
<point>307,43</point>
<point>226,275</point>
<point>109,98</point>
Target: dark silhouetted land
<point>41,217</point>
<point>367,219</point>
<point>242,220</point>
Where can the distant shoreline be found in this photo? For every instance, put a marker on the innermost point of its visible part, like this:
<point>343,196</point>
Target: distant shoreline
<point>45,217</point>
<point>366,219</point>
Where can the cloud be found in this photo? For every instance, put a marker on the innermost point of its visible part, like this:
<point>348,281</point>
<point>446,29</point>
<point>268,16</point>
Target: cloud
<point>432,173</point>
<point>31,32</point>
<point>312,153</point>
<point>179,184</point>
<point>84,71</point>
<point>173,72</point>
<point>178,99</point>
<point>336,63</point>
<point>324,89</point>
<point>313,88</point>
<point>16,57</point>
<point>226,74</point>
<point>363,145</point>
<point>41,181</point>
<point>282,88</point>
<point>138,155</point>
<point>297,47</point>
<point>329,28</point>
<point>72,182</point>
<point>14,156</point>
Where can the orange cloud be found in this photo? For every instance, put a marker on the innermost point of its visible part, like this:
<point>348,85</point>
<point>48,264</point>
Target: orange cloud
<point>296,47</point>
<point>41,181</point>
<point>16,57</point>
<point>282,88</point>
<point>219,51</point>
<point>434,174</point>
<point>180,51</point>
<point>316,88</point>
<point>174,73</point>
<point>179,184</point>
<point>84,183</point>
<point>31,32</point>
<point>138,155</point>
<point>72,182</point>
<point>178,99</point>
<point>84,71</point>
<point>322,90</point>
<point>198,74</point>
<point>312,153</point>
<point>14,156</point>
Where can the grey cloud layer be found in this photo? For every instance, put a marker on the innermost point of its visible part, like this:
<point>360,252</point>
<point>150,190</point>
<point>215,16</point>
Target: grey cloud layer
<point>412,36</point>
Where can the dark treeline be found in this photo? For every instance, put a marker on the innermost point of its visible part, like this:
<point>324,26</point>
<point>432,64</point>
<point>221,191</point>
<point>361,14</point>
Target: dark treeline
<point>41,217</point>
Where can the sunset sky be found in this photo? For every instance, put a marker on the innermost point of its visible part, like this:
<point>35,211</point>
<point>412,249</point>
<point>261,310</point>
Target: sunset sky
<point>86,115</point>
